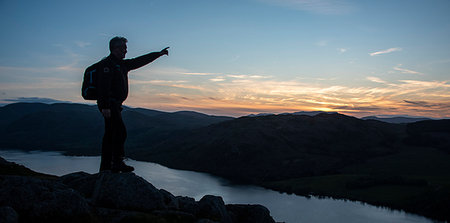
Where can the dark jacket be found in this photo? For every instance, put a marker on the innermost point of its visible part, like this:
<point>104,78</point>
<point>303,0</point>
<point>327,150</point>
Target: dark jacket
<point>113,78</point>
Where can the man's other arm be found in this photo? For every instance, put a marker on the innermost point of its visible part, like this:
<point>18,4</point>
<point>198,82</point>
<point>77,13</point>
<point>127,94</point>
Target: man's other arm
<point>104,89</point>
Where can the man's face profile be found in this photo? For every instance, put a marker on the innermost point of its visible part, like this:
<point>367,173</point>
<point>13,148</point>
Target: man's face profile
<point>120,50</point>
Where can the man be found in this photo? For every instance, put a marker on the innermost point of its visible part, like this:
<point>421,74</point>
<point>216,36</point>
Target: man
<point>112,92</point>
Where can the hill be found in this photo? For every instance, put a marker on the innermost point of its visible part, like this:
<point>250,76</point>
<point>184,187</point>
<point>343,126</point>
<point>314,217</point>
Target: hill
<point>274,147</point>
<point>78,128</point>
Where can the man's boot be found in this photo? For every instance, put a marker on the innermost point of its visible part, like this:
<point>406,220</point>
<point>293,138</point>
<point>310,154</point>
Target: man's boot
<point>120,166</point>
<point>105,165</point>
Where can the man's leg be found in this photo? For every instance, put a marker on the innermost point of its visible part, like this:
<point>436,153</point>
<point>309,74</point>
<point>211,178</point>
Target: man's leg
<point>107,145</point>
<point>119,137</point>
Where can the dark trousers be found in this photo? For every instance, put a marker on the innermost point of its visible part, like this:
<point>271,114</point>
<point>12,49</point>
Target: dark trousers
<point>113,139</point>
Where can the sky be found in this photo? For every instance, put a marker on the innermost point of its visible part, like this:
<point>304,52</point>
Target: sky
<point>229,57</point>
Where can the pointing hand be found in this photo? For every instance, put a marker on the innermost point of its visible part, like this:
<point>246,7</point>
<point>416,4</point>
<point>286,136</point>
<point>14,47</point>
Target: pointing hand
<point>165,51</point>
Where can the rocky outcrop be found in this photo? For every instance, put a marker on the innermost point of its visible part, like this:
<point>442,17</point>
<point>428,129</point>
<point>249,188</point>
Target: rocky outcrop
<point>111,197</point>
<point>42,200</point>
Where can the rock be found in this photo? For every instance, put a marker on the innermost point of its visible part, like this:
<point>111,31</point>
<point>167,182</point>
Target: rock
<point>108,197</point>
<point>205,221</point>
<point>213,207</point>
<point>249,213</point>
<point>176,216</point>
<point>80,181</point>
<point>3,162</point>
<point>8,215</point>
<point>39,200</point>
<point>121,191</point>
<point>170,201</point>
<point>113,215</point>
<point>187,204</point>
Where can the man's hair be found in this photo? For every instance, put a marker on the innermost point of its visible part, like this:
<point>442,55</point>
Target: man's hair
<point>116,41</point>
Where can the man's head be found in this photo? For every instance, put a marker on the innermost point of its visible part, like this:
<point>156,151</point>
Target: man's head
<point>118,47</point>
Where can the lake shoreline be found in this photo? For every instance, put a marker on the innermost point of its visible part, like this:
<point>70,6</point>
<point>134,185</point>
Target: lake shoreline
<point>359,195</point>
<point>287,188</point>
<point>280,187</point>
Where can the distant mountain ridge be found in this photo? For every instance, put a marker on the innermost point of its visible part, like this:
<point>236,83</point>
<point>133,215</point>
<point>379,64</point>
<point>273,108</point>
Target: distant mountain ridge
<point>397,120</point>
<point>309,113</point>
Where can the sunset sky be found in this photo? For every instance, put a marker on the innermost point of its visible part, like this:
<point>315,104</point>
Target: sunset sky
<point>229,57</point>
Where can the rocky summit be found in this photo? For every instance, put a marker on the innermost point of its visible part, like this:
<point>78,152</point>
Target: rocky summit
<point>109,197</point>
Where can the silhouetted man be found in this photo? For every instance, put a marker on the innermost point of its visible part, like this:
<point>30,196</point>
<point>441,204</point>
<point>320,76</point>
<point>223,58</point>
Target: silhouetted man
<point>113,90</point>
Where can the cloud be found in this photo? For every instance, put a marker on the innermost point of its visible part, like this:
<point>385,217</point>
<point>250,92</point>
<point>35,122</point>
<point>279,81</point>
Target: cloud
<point>376,80</point>
<point>200,74</point>
<point>240,94</point>
<point>342,50</point>
<point>426,104</point>
<point>390,50</point>
<point>175,84</point>
<point>405,71</point>
<point>244,76</point>
<point>82,44</point>
<point>237,76</point>
<point>217,79</point>
<point>156,82</point>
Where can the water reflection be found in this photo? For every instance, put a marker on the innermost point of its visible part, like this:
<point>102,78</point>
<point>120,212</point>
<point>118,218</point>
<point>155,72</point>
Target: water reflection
<point>283,207</point>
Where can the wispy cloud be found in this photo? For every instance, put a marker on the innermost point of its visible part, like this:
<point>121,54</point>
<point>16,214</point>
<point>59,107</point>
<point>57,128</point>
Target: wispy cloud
<point>405,71</point>
<point>342,50</point>
<point>161,82</point>
<point>376,80</point>
<point>199,74</point>
<point>242,94</point>
<point>165,83</point>
<point>390,50</point>
<point>218,79</point>
<point>82,44</point>
<point>429,105</point>
<point>245,76</point>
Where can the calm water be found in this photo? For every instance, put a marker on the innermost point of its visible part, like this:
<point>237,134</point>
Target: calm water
<point>283,207</point>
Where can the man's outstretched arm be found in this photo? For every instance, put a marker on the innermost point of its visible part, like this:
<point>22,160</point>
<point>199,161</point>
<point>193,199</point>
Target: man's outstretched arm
<point>137,62</point>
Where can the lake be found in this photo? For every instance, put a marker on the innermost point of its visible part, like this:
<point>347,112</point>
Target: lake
<point>283,207</point>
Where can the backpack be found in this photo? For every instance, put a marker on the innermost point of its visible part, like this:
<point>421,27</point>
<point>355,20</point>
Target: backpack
<point>90,80</point>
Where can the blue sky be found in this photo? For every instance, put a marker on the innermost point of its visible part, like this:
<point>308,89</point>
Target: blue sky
<point>238,57</point>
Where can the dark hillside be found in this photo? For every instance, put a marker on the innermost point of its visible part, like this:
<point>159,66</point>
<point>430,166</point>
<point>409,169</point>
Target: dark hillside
<point>11,112</point>
<point>432,133</point>
<point>277,146</point>
<point>78,128</point>
<point>56,127</point>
